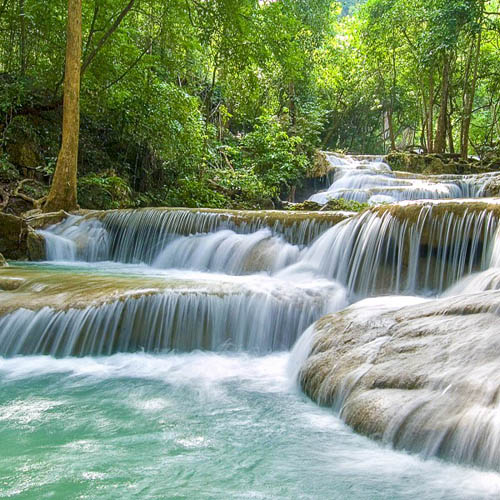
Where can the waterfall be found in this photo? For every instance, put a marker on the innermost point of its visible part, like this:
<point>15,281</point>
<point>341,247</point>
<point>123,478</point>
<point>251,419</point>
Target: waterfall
<point>370,180</point>
<point>76,238</point>
<point>229,252</point>
<point>141,235</point>
<point>426,248</point>
<point>419,247</point>
<point>255,314</point>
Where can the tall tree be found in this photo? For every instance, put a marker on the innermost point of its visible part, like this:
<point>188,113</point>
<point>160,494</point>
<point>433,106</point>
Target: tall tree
<point>62,193</point>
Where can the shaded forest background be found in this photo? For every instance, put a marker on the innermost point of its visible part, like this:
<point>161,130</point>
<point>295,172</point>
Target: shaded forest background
<point>224,103</point>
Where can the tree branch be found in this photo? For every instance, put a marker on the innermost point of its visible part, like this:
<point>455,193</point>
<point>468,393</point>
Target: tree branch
<point>88,60</point>
<point>130,68</point>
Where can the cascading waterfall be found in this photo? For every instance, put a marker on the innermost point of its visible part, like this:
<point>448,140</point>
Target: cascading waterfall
<point>163,280</point>
<point>141,235</point>
<point>229,252</point>
<point>425,249</point>
<point>381,253</point>
<point>261,315</point>
<point>370,180</point>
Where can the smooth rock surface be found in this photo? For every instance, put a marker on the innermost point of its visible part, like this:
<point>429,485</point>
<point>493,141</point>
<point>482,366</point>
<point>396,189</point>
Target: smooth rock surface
<point>421,375</point>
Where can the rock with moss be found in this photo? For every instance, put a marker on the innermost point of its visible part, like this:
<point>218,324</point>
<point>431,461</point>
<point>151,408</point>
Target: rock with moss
<point>39,220</point>
<point>308,206</point>
<point>320,166</point>
<point>13,236</point>
<point>435,164</point>
<point>3,262</point>
<point>24,154</point>
<point>36,246</point>
<point>8,172</point>
<point>493,187</point>
<point>341,204</point>
<point>421,375</point>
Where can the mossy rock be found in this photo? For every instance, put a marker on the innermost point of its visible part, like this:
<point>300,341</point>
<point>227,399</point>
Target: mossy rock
<point>493,187</point>
<point>24,154</point>
<point>39,220</point>
<point>8,172</point>
<point>340,204</point>
<point>3,262</point>
<point>320,167</point>
<point>434,164</point>
<point>36,246</point>
<point>13,236</point>
<point>308,206</point>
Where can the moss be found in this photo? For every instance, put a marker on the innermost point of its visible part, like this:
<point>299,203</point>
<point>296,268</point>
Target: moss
<point>320,166</point>
<point>307,205</point>
<point>345,205</point>
<point>41,220</point>
<point>434,164</point>
<point>269,217</point>
<point>411,211</point>
<point>13,235</point>
<point>8,172</point>
<point>104,191</point>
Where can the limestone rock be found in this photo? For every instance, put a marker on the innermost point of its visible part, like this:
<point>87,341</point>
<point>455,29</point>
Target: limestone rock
<point>493,187</point>
<point>36,246</point>
<point>24,154</point>
<point>40,220</point>
<point>422,377</point>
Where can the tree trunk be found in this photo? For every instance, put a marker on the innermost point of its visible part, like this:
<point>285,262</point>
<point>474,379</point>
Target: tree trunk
<point>22,48</point>
<point>62,193</point>
<point>469,100</point>
<point>390,128</point>
<point>430,114</point>
<point>440,142</point>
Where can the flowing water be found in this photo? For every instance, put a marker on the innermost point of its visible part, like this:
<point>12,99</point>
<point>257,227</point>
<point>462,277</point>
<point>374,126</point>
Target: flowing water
<point>151,355</point>
<point>197,426</point>
<point>370,180</point>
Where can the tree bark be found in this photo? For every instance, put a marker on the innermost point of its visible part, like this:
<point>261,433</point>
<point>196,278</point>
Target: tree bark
<point>62,195</point>
<point>430,114</point>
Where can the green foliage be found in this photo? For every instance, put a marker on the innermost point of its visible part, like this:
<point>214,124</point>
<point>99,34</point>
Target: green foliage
<point>8,172</point>
<point>224,102</point>
<point>273,155</point>
<point>104,191</point>
<point>346,205</point>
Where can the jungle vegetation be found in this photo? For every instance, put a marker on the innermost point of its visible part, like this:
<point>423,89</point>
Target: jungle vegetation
<point>224,103</point>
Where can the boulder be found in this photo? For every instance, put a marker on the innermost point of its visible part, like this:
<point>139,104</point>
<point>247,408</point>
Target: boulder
<point>39,220</point>
<point>421,375</point>
<point>13,236</point>
<point>24,154</point>
<point>36,246</point>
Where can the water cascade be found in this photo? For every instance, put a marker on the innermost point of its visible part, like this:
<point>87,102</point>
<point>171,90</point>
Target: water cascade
<point>140,235</point>
<point>68,315</point>
<point>413,247</point>
<point>370,180</point>
<point>204,305</point>
<point>409,248</point>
